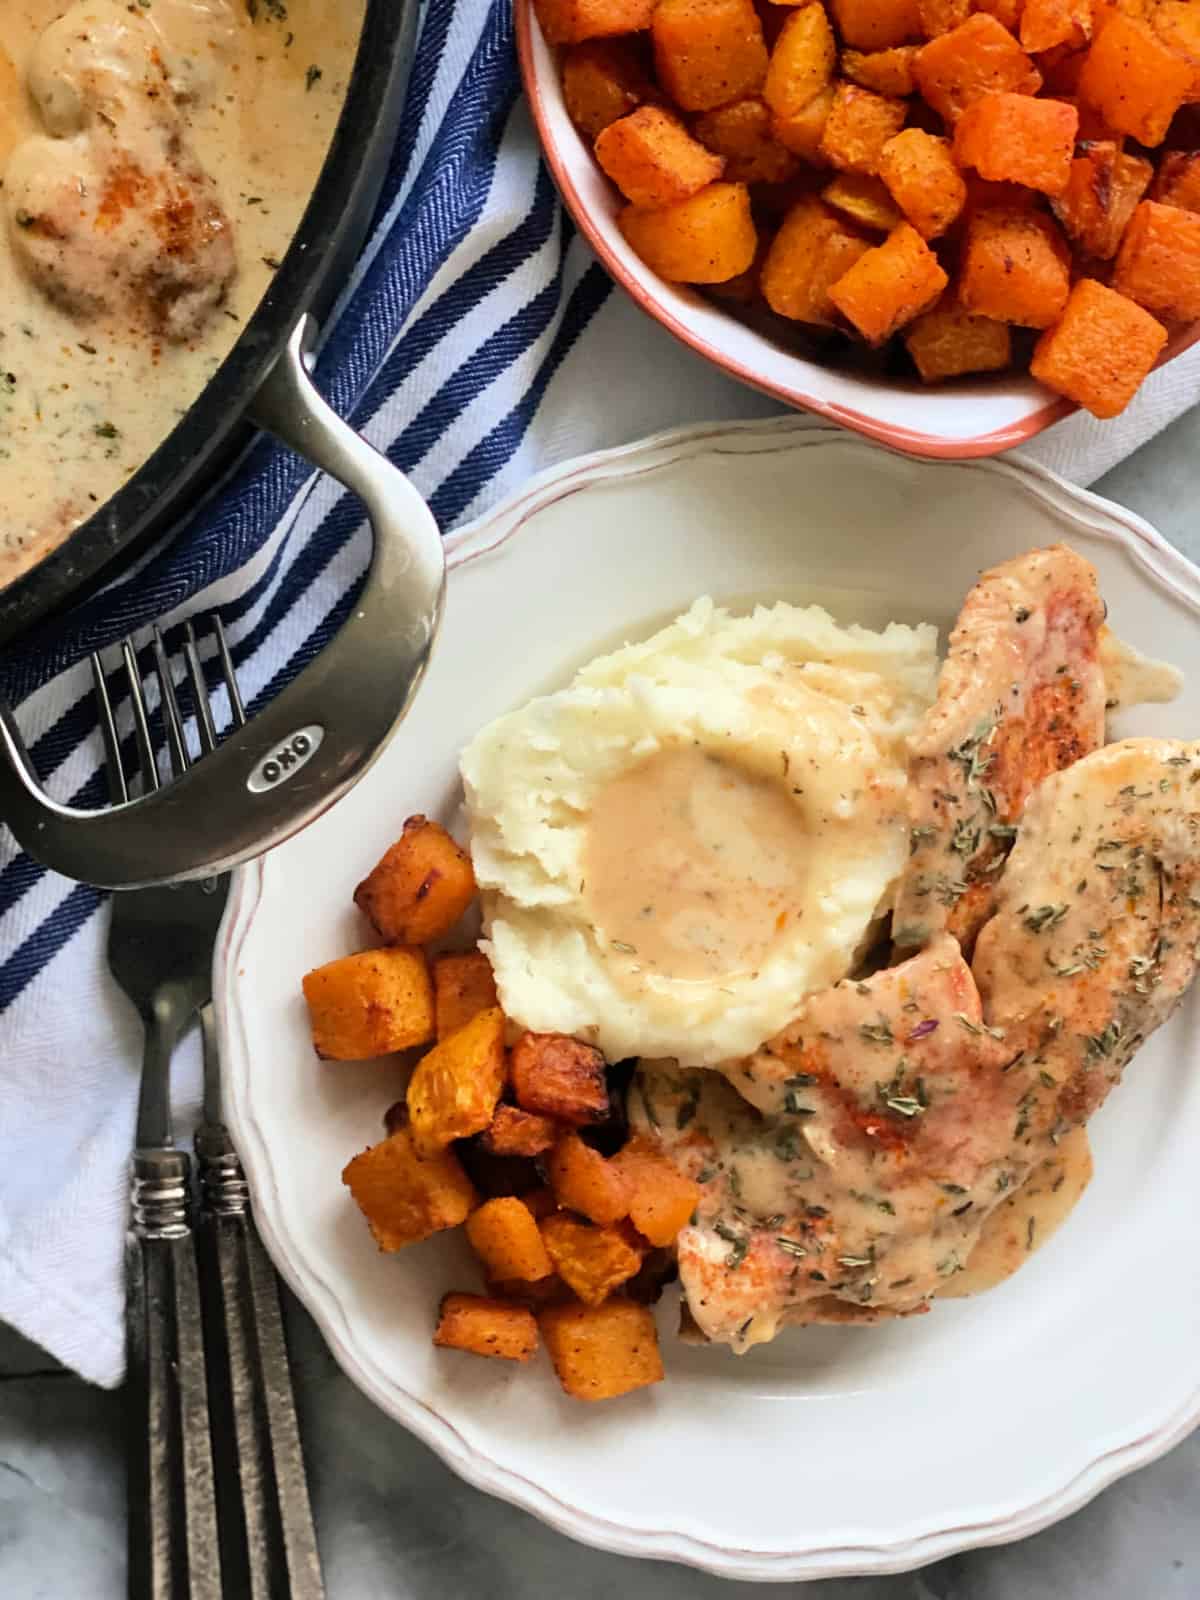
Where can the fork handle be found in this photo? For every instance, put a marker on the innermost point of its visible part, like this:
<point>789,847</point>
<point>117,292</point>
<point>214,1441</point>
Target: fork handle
<point>173,1549</point>
<point>270,1548</point>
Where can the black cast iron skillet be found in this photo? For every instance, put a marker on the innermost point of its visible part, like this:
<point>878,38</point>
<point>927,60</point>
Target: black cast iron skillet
<point>214,430</point>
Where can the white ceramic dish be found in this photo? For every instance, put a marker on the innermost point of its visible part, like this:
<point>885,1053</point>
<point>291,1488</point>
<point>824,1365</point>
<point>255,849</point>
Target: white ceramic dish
<point>833,1450</point>
<point>975,417</point>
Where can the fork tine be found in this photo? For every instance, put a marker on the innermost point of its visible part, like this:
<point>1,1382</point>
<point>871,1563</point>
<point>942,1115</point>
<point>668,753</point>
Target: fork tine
<point>227,672</point>
<point>141,725</point>
<point>118,789</point>
<point>204,718</point>
<point>176,742</point>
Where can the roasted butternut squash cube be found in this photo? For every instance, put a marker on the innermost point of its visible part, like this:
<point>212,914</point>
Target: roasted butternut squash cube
<point>601,1352</point>
<point>548,1291</point>
<point>886,71</point>
<point>1015,268</point>
<point>420,887</point>
<point>920,175</point>
<point>406,1194</point>
<point>889,285</point>
<point>603,79</point>
<point>1013,138</point>
<point>707,239</point>
<point>943,16</point>
<point>463,986</point>
<point>1102,193</point>
<point>1051,24</point>
<point>801,63</point>
<point>556,1076</point>
<point>859,124</point>
<point>1104,10</point>
<point>1006,12</point>
<point>708,51</point>
<point>801,132</point>
<point>486,1327</point>
<point>1177,181</point>
<point>662,1199</point>
<point>1177,23</point>
<point>584,1181</point>
<point>741,133</point>
<point>592,1261</point>
<point>979,58</point>
<point>653,159</point>
<point>454,1088</point>
<point>864,200</point>
<point>571,21</point>
<point>369,1004</point>
<point>1101,351</point>
<point>949,342</point>
<point>1158,264</point>
<point>513,1132</point>
<point>1091,124</point>
<point>1134,80</point>
<point>877,24</point>
<point>504,1235</point>
<point>811,251</point>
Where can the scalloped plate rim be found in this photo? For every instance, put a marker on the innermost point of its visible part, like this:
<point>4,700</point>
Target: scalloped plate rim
<point>910,1548</point>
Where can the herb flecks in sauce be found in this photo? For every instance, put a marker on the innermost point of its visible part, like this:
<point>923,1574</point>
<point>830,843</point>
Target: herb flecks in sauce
<point>254,125</point>
<point>695,865</point>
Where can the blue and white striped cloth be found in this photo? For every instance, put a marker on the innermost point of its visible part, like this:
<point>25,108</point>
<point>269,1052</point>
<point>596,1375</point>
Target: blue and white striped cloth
<point>478,341</point>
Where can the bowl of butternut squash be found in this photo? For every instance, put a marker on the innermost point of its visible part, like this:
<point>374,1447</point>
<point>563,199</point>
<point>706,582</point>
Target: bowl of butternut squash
<point>945,224</point>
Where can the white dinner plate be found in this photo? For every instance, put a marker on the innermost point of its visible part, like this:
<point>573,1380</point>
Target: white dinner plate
<point>833,1450</point>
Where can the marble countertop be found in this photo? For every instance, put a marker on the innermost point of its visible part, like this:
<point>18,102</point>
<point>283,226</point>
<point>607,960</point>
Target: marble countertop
<point>394,1522</point>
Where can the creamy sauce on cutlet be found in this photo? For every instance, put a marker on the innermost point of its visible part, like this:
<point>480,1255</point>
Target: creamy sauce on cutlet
<point>1132,679</point>
<point>1028,1219</point>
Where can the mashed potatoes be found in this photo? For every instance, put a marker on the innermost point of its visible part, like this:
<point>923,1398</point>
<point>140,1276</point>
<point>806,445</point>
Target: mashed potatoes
<point>699,830</point>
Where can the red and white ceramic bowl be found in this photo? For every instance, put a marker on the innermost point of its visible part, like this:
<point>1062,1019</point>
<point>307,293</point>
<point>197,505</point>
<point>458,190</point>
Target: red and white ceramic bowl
<point>979,417</point>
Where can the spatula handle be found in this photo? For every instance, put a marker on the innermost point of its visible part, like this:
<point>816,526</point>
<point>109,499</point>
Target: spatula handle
<point>298,754</point>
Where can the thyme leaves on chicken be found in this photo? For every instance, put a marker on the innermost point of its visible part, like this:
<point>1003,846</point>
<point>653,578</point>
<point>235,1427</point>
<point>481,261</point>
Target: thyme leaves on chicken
<point>1044,918</point>
<point>738,1242</point>
<point>876,1032</point>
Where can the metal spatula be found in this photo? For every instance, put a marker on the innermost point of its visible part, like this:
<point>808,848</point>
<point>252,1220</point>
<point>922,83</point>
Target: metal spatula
<point>272,776</point>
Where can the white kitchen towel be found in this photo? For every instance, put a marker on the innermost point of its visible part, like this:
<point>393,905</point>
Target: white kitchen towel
<point>478,342</point>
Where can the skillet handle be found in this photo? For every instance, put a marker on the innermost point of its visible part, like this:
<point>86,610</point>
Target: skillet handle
<point>272,777</point>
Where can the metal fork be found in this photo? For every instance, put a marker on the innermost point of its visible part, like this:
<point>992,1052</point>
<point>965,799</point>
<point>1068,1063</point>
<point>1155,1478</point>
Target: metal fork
<point>244,1525</point>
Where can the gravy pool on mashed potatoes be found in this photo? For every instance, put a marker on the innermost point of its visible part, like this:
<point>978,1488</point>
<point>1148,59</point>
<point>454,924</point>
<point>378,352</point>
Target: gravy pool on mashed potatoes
<point>699,829</point>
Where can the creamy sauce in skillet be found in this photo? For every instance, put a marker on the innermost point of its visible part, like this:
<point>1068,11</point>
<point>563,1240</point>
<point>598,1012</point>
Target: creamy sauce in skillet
<point>157,159</point>
<point>695,865</point>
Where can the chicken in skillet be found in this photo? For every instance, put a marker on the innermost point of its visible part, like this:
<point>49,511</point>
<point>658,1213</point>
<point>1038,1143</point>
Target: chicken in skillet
<point>110,209</point>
